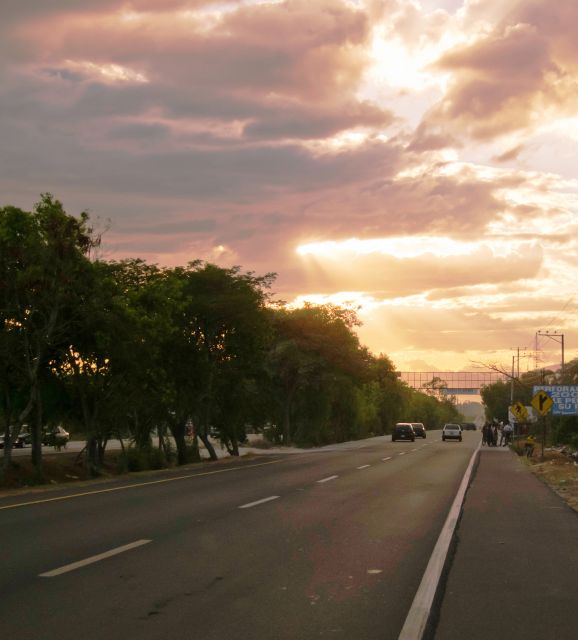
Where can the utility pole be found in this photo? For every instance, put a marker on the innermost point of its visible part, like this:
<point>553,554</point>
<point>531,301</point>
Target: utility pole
<point>515,371</point>
<point>556,337</point>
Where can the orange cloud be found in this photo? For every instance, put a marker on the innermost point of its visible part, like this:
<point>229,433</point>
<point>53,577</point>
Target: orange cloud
<point>509,78</point>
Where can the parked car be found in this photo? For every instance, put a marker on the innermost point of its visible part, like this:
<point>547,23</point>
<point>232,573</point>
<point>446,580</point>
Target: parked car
<point>22,439</point>
<point>418,429</point>
<point>403,431</point>
<point>452,432</point>
<point>56,437</point>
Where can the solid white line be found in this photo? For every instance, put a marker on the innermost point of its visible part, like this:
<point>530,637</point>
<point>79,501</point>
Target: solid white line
<point>386,459</point>
<point>327,479</point>
<point>364,466</point>
<point>93,559</point>
<point>254,504</point>
<point>417,618</point>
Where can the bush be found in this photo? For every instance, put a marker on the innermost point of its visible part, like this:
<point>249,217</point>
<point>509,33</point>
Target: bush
<point>134,459</point>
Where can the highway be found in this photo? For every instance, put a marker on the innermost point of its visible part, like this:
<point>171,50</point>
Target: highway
<point>330,543</point>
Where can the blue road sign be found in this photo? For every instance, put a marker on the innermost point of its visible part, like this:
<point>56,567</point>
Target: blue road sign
<point>565,398</point>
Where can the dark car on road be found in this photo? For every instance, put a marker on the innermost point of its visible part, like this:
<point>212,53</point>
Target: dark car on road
<point>403,431</point>
<point>23,439</point>
<point>468,426</point>
<point>20,441</point>
<point>418,429</point>
<point>56,437</point>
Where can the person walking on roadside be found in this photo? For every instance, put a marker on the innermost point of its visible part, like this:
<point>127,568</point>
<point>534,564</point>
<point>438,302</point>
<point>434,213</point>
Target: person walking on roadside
<point>495,435</point>
<point>529,445</point>
<point>507,434</point>
<point>485,429</point>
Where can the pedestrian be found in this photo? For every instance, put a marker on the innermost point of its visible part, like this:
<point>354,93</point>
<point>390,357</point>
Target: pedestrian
<point>507,432</point>
<point>489,435</point>
<point>495,435</point>
<point>485,434</point>
<point>529,445</point>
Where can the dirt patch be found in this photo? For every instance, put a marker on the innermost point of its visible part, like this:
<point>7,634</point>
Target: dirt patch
<point>560,472</point>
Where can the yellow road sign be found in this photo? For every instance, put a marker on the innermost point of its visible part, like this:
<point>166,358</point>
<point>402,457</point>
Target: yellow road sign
<point>519,411</point>
<point>542,402</point>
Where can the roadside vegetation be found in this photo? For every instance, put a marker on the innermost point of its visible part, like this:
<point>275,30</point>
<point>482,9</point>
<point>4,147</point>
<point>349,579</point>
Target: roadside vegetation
<point>149,354</point>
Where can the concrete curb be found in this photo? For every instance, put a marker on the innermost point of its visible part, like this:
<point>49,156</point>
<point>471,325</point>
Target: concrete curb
<point>419,614</point>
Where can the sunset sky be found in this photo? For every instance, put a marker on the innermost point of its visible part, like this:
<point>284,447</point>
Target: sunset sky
<point>417,160</point>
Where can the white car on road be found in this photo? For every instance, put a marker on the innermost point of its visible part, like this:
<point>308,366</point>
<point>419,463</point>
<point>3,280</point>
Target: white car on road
<point>452,432</point>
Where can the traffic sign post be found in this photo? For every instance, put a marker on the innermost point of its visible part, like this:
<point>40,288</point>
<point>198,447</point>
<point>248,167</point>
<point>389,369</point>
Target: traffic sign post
<point>519,411</point>
<point>543,404</point>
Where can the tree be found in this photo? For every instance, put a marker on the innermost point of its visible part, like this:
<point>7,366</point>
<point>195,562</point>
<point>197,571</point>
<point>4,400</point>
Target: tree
<point>44,259</point>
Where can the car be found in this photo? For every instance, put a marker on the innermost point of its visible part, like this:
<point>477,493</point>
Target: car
<point>56,437</point>
<point>22,439</point>
<point>468,426</point>
<point>403,431</point>
<point>419,429</point>
<point>452,431</point>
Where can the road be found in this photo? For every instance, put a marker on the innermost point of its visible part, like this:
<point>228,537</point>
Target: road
<point>325,544</point>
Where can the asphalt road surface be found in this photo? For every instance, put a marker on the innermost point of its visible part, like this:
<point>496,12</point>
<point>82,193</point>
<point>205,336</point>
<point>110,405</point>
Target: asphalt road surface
<point>325,544</point>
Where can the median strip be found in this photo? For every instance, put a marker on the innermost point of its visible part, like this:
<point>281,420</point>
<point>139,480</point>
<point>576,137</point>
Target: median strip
<point>101,556</point>
<point>327,479</point>
<point>254,504</point>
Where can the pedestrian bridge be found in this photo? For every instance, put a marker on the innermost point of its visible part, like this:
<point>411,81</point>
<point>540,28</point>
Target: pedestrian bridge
<point>453,383</point>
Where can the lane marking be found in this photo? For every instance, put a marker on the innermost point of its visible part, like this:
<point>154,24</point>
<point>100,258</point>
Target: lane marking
<point>414,449</point>
<point>141,484</point>
<point>101,556</point>
<point>327,479</point>
<point>386,459</point>
<point>364,466</point>
<point>419,613</point>
<point>402,453</point>
<point>262,501</point>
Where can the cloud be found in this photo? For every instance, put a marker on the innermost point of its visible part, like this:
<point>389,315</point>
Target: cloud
<point>510,77</point>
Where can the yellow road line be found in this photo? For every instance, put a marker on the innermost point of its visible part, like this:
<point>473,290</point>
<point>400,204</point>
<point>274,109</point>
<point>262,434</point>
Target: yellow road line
<point>136,486</point>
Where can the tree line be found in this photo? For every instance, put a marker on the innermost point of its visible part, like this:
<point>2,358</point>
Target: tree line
<point>130,350</point>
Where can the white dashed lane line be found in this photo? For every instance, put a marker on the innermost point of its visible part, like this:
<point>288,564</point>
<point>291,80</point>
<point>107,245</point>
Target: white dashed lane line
<point>364,466</point>
<point>257,502</point>
<point>401,453</point>
<point>327,479</point>
<point>386,459</point>
<point>93,559</point>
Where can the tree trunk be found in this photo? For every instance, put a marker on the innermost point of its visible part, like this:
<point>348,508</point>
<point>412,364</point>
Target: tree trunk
<point>178,430</point>
<point>208,445</point>
<point>36,433</point>
<point>287,415</point>
<point>92,461</point>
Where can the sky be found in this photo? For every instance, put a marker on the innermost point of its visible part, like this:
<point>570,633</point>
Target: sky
<point>413,160</point>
